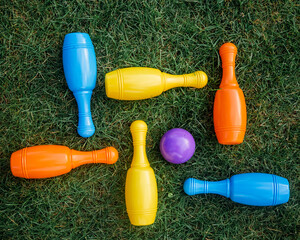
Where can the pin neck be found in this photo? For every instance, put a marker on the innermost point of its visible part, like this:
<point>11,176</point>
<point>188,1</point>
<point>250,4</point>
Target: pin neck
<point>219,187</point>
<point>140,157</point>
<point>79,158</point>
<point>185,80</point>
<point>228,78</point>
<point>171,81</point>
<point>139,144</point>
<point>228,53</point>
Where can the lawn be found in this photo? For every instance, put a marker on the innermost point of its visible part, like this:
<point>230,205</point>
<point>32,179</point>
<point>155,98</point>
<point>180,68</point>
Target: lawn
<point>37,108</point>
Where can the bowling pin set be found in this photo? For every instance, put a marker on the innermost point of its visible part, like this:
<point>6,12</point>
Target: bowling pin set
<point>176,146</point>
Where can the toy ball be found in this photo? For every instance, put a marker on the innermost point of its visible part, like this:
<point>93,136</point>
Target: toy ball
<point>177,146</point>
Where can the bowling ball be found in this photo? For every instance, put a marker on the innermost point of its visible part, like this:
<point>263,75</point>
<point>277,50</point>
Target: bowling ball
<point>177,146</point>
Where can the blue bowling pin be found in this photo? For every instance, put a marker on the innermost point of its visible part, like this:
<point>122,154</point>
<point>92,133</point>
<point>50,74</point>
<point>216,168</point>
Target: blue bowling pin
<point>256,189</point>
<point>80,68</point>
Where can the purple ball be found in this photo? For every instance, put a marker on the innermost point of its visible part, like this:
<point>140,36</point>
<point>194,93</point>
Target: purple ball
<point>177,145</point>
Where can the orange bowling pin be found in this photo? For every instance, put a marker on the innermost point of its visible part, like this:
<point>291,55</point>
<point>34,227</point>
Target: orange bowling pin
<point>53,160</point>
<point>230,114</point>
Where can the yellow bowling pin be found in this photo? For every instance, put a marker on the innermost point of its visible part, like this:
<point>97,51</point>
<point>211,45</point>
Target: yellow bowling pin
<point>140,187</point>
<point>138,83</point>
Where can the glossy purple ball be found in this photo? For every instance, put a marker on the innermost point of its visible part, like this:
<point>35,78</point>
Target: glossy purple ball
<point>177,145</point>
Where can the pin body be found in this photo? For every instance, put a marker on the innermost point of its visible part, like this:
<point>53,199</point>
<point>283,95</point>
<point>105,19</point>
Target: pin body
<point>53,160</point>
<point>256,189</point>
<point>140,187</point>
<point>138,83</point>
<point>79,62</point>
<point>230,115</point>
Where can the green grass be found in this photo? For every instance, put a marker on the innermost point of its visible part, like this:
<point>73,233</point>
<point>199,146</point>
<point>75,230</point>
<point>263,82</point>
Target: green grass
<point>36,107</point>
